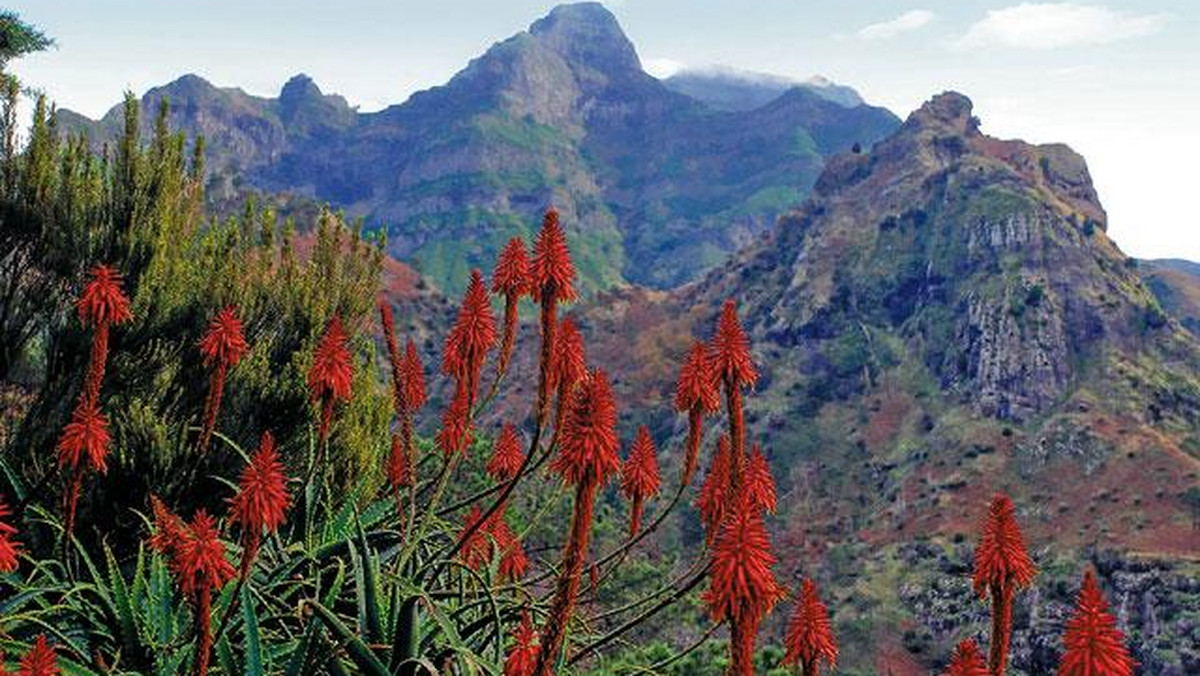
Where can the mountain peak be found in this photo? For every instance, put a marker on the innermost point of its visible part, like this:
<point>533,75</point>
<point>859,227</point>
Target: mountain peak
<point>587,33</point>
<point>949,110</point>
<point>299,87</point>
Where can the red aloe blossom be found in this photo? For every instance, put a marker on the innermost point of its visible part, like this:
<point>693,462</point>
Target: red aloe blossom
<point>570,364</point>
<point>1094,644</point>
<point>510,279</point>
<point>101,305</point>
<point>587,459</point>
<point>200,567</point>
<point>713,499</point>
<point>331,375</point>
<point>730,355</point>
<point>10,549</point>
<point>86,435</point>
<point>810,638</point>
<point>966,661</point>
<point>473,335</point>
<point>742,589</point>
<point>1001,566</point>
<point>169,530</point>
<point>476,551</point>
<point>522,657</point>
<point>507,455</point>
<point>414,378</point>
<point>639,477</point>
<point>697,392</point>
<point>41,660</point>
<point>759,484</point>
<point>223,346</point>
<point>262,500</point>
<point>455,435</point>
<point>513,562</point>
<point>552,275</point>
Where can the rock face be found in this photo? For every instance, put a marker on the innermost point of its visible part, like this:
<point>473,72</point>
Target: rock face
<point>657,187</point>
<point>943,318</point>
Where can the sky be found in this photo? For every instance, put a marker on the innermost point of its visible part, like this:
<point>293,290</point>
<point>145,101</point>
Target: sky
<point>1117,80</point>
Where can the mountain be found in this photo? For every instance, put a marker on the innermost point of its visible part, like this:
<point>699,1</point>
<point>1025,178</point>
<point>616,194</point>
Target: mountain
<point>656,186</point>
<point>943,318</point>
<point>1176,285</point>
<point>731,89</point>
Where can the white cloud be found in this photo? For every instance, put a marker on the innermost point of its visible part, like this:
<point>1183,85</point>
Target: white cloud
<point>1054,25</point>
<point>905,23</point>
<point>662,68</point>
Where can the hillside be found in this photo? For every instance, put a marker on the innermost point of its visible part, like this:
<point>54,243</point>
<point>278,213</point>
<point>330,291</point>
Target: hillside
<point>659,187</point>
<point>945,317</point>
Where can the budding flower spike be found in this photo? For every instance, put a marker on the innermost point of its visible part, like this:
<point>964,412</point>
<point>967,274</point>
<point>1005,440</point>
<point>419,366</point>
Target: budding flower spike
<point>223,346</point>
<point>522,656</point>
<point>1094,644</point>
<point>730,356</point>
<point>570,364</point>
<point>759,484</point>
<point>714,494</point>
<point>639,477</point>
<point>1001,566</point>
<point>85,437</point>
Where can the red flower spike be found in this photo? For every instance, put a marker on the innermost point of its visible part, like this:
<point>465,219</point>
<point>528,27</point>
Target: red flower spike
<point>743,589</point>
<point>1094,644</point>
<point>589,436</point>
<point>224,343</point>
<point>759,484</point>
<point>742,584</point>
<point>570,358</point>
<point>200,563</point>
<point>395,358</point>
<point>730,350</point>
<point>639,476</point>
<point>511,278</point>
<point>476,552</point>
<point>262,500</point>
<point>507,456</point>
<point>399,472</point>
<point>713,498</point>
<point>332,373</point>
<point>455,435</point>
<point>1001,557</point>
<point>223,346</point>
<point>1001,566</point>
<point>697,392</point>
<point>10,549</point>
<point>513,562</point>
<point>522,657</point>
<point>414,378</point>
<point>473,335</point>
<point>103,302</point>
<point>966,661</point>
<point>41,660</point>
<point>810,638</point>
<point>169,530</point>
<point>86,434</point>
<point>552,272</point>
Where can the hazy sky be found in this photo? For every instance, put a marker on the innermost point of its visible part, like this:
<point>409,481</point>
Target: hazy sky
<point>1118,80</point>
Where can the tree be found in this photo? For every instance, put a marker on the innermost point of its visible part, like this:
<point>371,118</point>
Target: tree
<point>18,38</point>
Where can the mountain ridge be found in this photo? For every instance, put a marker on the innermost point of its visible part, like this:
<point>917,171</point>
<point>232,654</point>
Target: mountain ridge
<point>659,186</point>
